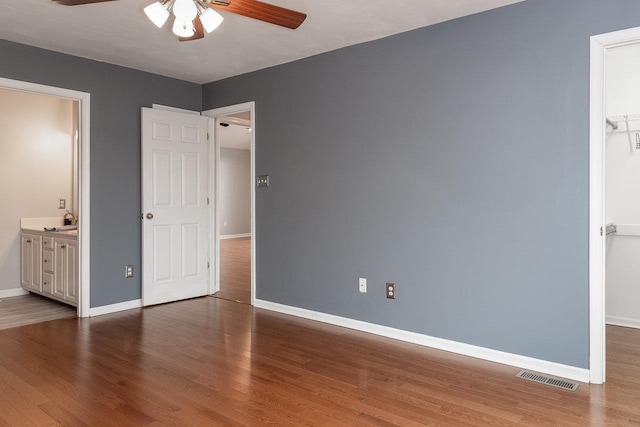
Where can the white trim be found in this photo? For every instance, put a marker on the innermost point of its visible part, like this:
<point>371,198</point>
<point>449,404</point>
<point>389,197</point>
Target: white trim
<point>597,336</point>
<point>174,109</point>
<point>215,114</point>
<point>523,362</point>
<point>234,236</point>
<point>114,308</point>
<point>214,244</point>
<point>596,217</point>
<point>16,292</point>
<point>84,204</point>
<point>625,322</point>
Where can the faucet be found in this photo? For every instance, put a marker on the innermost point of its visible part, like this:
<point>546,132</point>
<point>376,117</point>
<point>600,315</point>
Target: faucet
<point>70,219</point>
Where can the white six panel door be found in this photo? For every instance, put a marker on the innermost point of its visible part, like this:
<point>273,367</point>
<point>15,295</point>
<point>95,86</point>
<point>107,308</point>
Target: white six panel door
<point>175,156</point>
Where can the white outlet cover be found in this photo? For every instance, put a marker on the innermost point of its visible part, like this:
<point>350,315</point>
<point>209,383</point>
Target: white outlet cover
<point>362,285</point>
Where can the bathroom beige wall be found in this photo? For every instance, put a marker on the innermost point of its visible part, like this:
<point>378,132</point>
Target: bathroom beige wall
<point>36,137</point>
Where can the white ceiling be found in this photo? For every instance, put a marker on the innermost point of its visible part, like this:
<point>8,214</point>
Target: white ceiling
<point>118,32</point>
<point>235,136</point>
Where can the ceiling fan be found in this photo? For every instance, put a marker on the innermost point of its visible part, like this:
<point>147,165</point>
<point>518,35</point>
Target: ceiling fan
<point>194,17</point>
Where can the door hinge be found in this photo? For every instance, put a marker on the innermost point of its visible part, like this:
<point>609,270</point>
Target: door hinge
<point>208,139</point>
<point>208,264</point>
<point>207,201</point>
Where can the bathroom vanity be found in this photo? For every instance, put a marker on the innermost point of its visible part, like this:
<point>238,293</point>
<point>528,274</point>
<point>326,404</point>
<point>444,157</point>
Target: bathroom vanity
<point>49,263</point>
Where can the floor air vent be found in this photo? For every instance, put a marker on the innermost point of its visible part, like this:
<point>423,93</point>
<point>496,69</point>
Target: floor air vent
<point>542,379</point>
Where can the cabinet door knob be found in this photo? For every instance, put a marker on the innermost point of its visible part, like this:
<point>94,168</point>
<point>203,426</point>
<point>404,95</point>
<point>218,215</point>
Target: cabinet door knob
<point>63,246</point>
<point>45,261</point>
<point>149,216</point>
<point>29,241</point>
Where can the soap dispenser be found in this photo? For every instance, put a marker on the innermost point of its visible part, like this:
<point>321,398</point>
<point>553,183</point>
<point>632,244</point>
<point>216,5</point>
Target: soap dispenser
<point>68,218</point>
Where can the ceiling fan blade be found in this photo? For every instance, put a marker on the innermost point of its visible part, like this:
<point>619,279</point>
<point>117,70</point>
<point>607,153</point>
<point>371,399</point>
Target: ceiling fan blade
<point>77,2</point>
<point>263,12</point>
<point>199,31</point>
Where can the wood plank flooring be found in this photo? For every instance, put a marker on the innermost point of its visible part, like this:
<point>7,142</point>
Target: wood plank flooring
<point>209,361</point>
<point>235,270</point>
<point>28,309</point>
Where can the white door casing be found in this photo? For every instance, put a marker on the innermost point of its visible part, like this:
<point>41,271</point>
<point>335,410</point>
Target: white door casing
<point>175,221</point>
<point>214,181</point>
<point>82,180</point>
<point>597,335</point>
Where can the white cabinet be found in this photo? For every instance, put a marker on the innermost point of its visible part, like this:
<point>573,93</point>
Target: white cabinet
<point>31,253</point>
<point>65,281</point>
<point>50,265</point>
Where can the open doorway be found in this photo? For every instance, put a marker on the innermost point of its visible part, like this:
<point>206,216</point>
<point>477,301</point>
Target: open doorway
<point>45,148</point>
<point>234,135</point>
<point>622,185</point>
<point>614,223</point>
<point>38,146</point>
<point>233,177</point>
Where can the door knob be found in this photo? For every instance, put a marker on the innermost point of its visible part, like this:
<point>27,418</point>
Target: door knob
<point>149,216</point>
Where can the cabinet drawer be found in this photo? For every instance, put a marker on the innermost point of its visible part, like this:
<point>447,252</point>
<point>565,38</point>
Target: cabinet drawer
<point>47,261</point>
<point>47,242</point>
<point>47,282</point>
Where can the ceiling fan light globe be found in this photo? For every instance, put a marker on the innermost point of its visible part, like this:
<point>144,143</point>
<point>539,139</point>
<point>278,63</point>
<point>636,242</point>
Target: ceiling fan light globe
<point>157,13</point>
<point>183,28</point>
<point>185,10</point>
<point>211,20</point>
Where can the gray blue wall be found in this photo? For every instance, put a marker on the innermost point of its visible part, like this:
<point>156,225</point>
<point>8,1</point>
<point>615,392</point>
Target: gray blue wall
<point>451,160</point>
<point>117,94</point>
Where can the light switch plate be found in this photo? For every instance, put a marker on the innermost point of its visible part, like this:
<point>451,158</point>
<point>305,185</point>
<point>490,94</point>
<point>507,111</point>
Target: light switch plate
<point>262,181</point>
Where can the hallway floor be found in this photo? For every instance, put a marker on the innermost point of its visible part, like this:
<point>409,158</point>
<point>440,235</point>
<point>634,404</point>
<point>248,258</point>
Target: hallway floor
<point>235,270</point>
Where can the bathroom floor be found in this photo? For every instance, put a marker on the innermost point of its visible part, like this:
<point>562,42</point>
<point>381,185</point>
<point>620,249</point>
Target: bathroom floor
<point>29,309</point>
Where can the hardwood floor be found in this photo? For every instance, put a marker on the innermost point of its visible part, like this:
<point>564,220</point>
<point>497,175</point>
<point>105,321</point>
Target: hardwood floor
<point>210,361</point>
<point>28,309</point>
<point>235,270</point>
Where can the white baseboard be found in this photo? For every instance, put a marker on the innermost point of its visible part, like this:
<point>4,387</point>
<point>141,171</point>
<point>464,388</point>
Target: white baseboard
<point>16,292</point>
<point>114,308</point>
<point>523,362</point>
<point>234,236</point>
<point>623,321</point>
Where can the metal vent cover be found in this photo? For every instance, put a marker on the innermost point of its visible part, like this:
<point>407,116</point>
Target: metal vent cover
<point>543,379</point>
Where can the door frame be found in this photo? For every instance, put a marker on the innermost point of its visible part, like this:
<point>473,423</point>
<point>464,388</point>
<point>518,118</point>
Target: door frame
<point>597,319</point>
<point>84,205</point>
<point>215,114</point>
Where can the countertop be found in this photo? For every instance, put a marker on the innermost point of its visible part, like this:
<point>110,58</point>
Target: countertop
<point>41,231</point>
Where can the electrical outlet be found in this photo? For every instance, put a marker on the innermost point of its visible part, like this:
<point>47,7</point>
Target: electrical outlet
<point>128,271</point>
<point>362,285</point>
<point>62,203</point>
<point>391,290</point>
